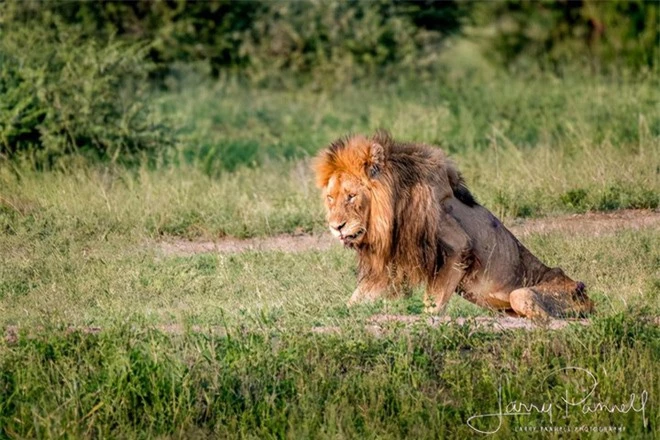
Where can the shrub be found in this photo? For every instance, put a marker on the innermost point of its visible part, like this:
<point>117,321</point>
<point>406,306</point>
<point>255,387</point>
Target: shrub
<point>265,38</point>
<point>63,92</point>
<point>603,35</point>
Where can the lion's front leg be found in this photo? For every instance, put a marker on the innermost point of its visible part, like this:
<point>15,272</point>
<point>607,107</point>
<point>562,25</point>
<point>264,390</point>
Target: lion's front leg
<point>442,287</point>
<point>457,252</point>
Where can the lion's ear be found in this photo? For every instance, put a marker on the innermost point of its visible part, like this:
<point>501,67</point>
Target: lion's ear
<point>376,160</point>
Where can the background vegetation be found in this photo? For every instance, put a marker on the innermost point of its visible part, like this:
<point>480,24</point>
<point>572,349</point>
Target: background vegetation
<point>124,125</point>
<point>110,53</point>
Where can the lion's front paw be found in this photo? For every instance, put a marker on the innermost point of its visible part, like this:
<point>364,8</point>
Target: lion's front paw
<point>356,298</point>
<point>361,297</point>
<point>433,309</point>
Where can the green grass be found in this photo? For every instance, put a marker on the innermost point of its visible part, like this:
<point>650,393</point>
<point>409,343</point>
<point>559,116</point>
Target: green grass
<point>243,360</point>
<point>468,107</point>
<point>175,201</point>
<point>222,345</point>
<point>278,383</point>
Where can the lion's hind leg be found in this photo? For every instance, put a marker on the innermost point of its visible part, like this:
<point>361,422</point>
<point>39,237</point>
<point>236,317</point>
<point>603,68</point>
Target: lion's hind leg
<point>545,301</point>
<point>527,303</point>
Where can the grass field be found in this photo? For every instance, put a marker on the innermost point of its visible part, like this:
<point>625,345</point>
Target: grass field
<point>109,337</point>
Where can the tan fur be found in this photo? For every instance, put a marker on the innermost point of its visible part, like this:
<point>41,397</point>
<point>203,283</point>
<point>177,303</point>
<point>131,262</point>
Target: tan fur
<point>407,212</point>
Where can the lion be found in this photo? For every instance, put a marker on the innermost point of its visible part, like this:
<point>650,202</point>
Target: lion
<point>408,213</point>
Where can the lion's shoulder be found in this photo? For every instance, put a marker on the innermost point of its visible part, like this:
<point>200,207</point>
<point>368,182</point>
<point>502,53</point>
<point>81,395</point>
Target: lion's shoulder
<point>414,163</point>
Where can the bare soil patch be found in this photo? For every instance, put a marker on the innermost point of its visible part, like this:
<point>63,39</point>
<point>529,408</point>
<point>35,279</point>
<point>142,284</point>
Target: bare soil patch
<point>230,245</point>
<point>591,224</point>
<point>12,332</point>
<point>377,325</point>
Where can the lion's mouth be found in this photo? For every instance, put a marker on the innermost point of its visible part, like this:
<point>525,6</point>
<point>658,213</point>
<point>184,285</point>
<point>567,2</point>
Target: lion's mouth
<point>349,240</point>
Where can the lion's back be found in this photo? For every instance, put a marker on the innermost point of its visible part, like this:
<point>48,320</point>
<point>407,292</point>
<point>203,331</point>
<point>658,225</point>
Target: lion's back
<point>426,164</point>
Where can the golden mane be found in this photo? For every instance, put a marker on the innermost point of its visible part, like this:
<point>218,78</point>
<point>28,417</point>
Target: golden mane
<point>353,155</point>
<point>345,155</point>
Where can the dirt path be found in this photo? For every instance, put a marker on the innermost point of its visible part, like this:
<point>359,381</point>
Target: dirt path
<point>377,325</point>
<point>591,223</point>
<point>380,324</point>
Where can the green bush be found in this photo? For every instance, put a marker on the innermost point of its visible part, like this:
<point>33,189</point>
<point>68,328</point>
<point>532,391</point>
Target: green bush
<point>63,93</point>
<point>265,38</point>
<point>338,41</point>
<point>556,34</point>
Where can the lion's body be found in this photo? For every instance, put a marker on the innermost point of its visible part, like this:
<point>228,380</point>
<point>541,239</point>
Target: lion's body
<point>407,212</point>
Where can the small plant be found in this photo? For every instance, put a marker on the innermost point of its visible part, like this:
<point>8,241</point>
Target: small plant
<point>574,198</point>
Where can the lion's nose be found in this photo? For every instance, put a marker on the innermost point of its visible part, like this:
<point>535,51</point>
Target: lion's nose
<point>338,226</point>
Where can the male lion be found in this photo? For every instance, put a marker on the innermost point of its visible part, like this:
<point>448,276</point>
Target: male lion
<point>407,212</point>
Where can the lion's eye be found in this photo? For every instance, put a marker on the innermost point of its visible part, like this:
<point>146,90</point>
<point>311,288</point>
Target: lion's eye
<point>351,197</point>
<point>330,198</point>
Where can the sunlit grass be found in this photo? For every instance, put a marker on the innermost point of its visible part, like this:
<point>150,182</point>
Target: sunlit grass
<point>281,197</point>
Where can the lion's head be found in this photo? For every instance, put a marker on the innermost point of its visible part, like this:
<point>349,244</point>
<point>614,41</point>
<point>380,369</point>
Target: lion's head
<point>349,175</point>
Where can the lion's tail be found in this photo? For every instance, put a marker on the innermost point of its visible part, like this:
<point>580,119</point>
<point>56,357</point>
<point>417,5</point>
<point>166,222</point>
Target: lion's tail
<point>459,187</point>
